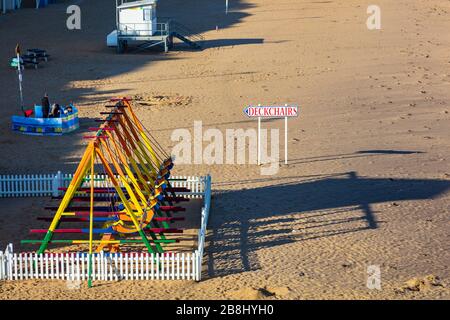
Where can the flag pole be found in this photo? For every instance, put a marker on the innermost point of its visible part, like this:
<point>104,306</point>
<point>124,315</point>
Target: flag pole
<point>19,70</point>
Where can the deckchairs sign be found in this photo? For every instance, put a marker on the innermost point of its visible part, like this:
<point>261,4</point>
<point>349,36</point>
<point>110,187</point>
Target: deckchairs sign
<point>285,112</point>
<point>271,111</point>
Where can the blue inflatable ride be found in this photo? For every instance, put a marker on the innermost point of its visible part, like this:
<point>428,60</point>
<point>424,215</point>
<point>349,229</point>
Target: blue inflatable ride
<point>62,119</point>
<point>66,121</point>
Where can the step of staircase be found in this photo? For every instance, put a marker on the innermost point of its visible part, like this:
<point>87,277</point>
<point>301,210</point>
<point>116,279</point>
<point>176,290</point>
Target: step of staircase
<point>186,40</point>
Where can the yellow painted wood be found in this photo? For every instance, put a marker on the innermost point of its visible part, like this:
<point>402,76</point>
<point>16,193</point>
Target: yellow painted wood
<point>73,186</point>
<point>119,191</point>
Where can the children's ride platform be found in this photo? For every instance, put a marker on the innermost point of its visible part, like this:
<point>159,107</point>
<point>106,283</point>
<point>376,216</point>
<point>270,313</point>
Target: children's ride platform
<point>66,122</point>
<point>136,203</point>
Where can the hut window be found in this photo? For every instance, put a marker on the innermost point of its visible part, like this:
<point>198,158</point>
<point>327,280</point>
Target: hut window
<point>147,14</point>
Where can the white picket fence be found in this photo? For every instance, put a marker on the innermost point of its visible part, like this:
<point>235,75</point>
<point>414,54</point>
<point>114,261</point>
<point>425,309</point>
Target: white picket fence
<point>117,266</point>
<point>41,185</point>
<point>106,267</point>
<point>30,185</point>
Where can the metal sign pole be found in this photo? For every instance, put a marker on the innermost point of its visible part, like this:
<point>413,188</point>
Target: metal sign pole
<point>226,6</point>
<point>259,138</point>
<point>285,141</point>
<point>259,141</point>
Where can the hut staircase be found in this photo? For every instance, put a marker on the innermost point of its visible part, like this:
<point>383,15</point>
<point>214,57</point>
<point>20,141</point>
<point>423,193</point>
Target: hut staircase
<point>186,35</point>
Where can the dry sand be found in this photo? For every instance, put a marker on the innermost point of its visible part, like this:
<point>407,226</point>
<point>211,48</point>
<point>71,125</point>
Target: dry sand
<point>369,175</point>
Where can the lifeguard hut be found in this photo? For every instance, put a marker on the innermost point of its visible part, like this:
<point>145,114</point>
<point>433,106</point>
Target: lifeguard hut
<point>137,23</point>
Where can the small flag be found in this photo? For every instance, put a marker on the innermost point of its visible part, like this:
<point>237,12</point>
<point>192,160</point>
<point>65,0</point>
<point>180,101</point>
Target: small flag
<point>17,49</point>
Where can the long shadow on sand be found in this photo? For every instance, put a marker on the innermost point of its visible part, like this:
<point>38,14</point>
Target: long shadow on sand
<point>244,221</point>
<point>231,42</point>
<point>358,154</point>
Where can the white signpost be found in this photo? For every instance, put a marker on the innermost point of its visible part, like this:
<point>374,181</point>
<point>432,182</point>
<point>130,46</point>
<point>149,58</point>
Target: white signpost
<point>286,111</point>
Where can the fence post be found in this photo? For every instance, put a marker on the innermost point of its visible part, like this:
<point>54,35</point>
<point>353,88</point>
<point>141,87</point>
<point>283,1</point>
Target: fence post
<point>60,181</point>
<point>2,266</point>
<point>9,254</point>
<point>56,184</point>
<point>198,258</point>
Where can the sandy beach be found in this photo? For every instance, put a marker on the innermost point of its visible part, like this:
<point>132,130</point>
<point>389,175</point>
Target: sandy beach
<point>368,179</point>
